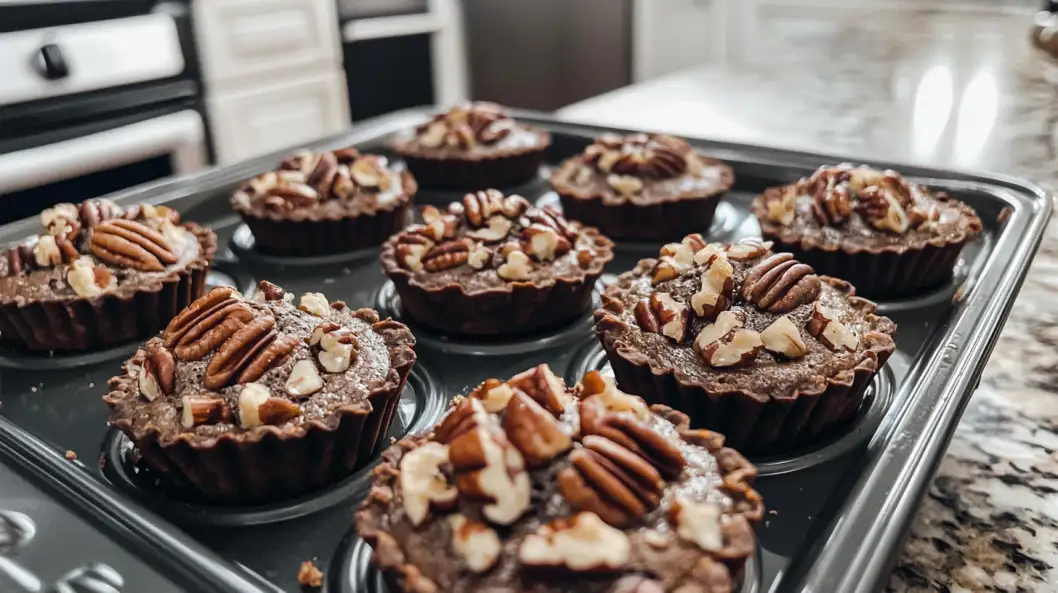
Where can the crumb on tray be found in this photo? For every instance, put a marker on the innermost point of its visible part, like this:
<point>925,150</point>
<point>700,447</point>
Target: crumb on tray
<point>309,575</point>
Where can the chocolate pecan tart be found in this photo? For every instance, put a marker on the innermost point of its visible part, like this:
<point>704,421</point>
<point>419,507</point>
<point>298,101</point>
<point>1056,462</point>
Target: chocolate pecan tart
<point>745,341</point>
<point>889,236</point>
<point>474,146</point>
<point>495,265</point>
<point>252,400</point>
<point>642,186</point>
<point>528,486</point>
<point>324,203</point>
<point>101,275</point>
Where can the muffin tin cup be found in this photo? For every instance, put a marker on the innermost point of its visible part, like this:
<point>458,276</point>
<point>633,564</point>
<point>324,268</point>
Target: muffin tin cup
<point>882,275</point>
<point>524,309</point>
<point>277,465</point>
<point>305,238</point>
<point>421,403</point>
<point>104,322</point>
<point>358,574</point>
<point>451,174</point>
<point>750,425</point>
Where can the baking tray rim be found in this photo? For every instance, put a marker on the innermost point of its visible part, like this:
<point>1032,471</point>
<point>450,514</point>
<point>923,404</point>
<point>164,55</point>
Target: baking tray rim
<point>872,521</point>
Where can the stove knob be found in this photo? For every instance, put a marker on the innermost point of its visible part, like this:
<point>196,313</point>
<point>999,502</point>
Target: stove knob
<point>50,62</point>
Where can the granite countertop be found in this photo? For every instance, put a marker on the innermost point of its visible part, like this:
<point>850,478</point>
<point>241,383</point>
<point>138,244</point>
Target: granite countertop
<point>948,84</point>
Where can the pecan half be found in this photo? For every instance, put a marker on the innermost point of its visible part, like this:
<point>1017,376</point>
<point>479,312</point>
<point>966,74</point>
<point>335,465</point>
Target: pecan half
<point>884,210</point>
<point>661,314</point>
<point>553,220</point>
<point>478,207</point>
<point>158,372</point>
<point>636,436</point>
<point>533,431</point>
<point>238,351</point>
<point>466,415</point>
<point>779,283</point>
<point>658,156</point>
<point>94,212</point>
<point>447,255</point>
<point>831,195</point>
<point>323,174</point>
<point>206,323</point>
<point>130,244</point>
<point>611,481</point>
<point>581,543</point>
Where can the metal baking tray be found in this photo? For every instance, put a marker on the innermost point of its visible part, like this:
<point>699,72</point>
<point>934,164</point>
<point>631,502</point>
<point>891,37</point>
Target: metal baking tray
<point>838,510</point>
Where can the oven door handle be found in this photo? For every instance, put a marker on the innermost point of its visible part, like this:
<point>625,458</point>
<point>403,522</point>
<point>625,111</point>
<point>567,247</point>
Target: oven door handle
<point>181,134</point>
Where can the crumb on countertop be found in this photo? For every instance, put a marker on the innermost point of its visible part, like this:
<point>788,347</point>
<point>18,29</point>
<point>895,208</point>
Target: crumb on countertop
<point>70,455</point>
<point>309,575</point>
<point>773,512</point>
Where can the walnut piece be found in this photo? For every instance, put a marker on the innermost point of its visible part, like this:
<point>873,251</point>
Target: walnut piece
<point>725,322</point>
<point>516,267</point>
<point>304,379</point>
<point>783,338</point>
<point>257,407</point>
<point>604,388</point>
<point>625,185</point>
<point>747,249</point>
<point>422,483</point>
<point>497,229</point>
<point>490,469</point>
<point>698,522</point>
<point>479,257</point>
<point>475,542</point>
<point>338,350</point>
<point>582,543</point>
<point>782,209</point>
<point>825,326</point>
<point>543,243</point>
<point>544,386</point>
<point>87,279</point>
<point>737,348</point>
<point>493,394</point>
<point>717,281</point>
<point>315,303</point>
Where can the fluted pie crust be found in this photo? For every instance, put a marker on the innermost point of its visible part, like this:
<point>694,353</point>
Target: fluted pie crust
<point>463,300</point>
<point>35,316</point>
<point>338,429</point>
<point>420,558</point>
<point>769,405</point>
<point>666,208</point>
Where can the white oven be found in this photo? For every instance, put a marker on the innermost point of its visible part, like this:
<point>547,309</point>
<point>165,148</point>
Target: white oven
<point>88,108</point>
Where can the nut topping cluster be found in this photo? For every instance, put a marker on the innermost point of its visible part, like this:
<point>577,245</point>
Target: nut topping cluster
<point>307,179</point>
<point>702,295</point>
<point>616,469</point>
<point>884,199</point>
<point>465,126</point>
<point>93,239</point>
<point>242,344</point>
<point>488,230</point>
<point>628,163</point>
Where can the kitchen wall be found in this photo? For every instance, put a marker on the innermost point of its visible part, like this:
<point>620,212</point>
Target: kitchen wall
<point>545,54</point>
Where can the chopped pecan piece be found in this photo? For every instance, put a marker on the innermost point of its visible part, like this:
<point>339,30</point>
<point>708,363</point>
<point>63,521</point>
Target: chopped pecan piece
<point>544,243</point>
<point>737,348</point>
<point>533,431</point>
<point>475,542</point>
<point>783,338</point>
<point>422,483</point>
<point>581,543</point>
<point>661,314</point>
<point>158,374</point>
<point>204,409</point>
<point>541,384</point>
<point>825,326</point>
<point>717,283</point>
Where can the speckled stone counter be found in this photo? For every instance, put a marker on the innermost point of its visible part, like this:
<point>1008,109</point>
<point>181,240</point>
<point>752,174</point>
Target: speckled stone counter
<point>939,85</point>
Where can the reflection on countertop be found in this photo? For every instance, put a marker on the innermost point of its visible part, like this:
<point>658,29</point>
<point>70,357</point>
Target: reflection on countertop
<point>948,85</point>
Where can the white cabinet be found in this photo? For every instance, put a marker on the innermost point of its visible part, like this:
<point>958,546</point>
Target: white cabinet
<point>673,35</point>
<point>284,113</point>
<point>273,73</point>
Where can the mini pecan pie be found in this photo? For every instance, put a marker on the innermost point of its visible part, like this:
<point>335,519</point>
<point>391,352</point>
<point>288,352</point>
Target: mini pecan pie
<point>324,203</point>
<point>528,486</point>
<point>251,400</point>
<point>474,146</point>
<point>101,275</point>
<point>745,341</point>
<point>642,186</point>
<point>889,236</point>
<point>495,265</point>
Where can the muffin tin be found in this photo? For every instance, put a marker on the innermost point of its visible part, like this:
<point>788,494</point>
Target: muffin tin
<point>837,509</point>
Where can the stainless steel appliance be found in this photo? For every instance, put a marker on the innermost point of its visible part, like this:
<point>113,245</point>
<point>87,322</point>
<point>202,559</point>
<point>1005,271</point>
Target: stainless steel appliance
<point>97,96</point>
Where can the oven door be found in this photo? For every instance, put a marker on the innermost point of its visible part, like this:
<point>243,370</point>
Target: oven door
<point>97,159</point>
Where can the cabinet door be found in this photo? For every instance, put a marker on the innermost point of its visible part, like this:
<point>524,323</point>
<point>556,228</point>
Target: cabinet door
<point>241,40</point>
<point>278,116</point>
<point>673,35</point>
